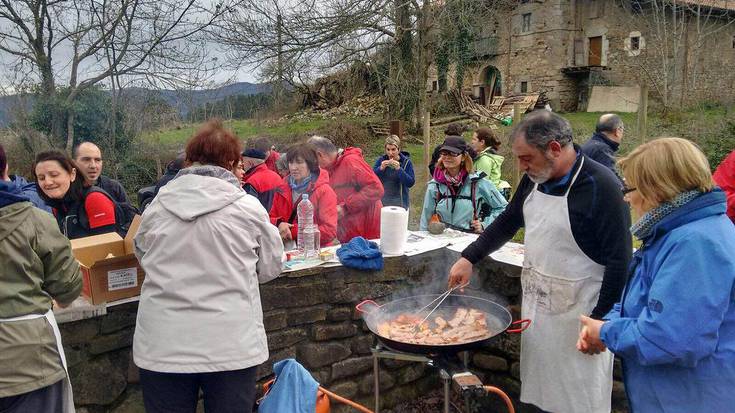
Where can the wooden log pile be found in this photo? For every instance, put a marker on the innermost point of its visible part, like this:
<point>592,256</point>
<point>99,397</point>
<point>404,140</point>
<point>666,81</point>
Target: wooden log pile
<point>500,108</point>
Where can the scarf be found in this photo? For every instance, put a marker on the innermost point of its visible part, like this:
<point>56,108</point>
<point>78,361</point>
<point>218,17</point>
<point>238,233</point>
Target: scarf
<point>454,183</point>
<point>300,187</point>
<point>643,228</point>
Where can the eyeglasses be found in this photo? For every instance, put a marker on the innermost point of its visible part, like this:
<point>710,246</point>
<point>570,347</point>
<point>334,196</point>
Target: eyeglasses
<point>449,154</point>
<point>626,190</point>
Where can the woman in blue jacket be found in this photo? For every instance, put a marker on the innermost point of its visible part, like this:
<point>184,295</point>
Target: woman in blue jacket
<point>461,199</point>
<point>674,328</point>
<point>395,171</point>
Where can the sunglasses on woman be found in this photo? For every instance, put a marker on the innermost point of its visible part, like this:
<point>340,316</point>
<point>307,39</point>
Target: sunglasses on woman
<point>449,154</point>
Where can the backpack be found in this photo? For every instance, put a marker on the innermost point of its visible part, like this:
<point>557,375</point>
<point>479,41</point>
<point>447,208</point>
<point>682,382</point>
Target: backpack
<point>479,211</point>
<point>75,224</point>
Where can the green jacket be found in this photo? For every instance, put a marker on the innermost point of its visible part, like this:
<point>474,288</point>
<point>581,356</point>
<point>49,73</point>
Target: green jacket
<point>491,164</point>
<point>37,266</point>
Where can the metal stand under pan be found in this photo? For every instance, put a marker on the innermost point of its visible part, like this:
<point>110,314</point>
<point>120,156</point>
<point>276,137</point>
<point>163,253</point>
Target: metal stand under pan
<point>447,372</point>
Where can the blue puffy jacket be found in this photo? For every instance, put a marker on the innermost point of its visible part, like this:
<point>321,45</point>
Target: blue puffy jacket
<point>396,182</point>
<point>29,190</point>
<point>457,211</point>
<point>675,326</point>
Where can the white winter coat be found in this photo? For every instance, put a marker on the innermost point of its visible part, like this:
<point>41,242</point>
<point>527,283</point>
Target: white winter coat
<point>204,245</point>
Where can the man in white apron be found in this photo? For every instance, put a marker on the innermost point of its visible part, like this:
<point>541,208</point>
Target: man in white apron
<point>577,250</point>
<point>37,267</point>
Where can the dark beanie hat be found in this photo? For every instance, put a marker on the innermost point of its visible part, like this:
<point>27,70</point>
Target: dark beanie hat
<point>253,153</point>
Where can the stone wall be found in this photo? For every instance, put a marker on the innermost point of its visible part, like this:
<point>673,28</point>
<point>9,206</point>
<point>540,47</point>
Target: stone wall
<point>310,315</point>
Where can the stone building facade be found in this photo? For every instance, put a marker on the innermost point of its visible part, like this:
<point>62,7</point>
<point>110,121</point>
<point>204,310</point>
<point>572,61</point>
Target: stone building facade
<point>564,47</point>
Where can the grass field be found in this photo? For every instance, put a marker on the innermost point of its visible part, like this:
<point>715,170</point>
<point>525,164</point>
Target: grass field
<point>244,129</point>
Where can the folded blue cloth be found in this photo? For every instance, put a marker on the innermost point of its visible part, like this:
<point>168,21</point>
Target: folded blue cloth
<point>294,390</point>
<point>361,254</point>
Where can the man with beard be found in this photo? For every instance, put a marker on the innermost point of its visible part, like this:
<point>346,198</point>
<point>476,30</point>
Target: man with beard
<point>577,250</point>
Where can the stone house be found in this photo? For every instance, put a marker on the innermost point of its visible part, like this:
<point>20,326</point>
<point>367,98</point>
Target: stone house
<point>683,50</point>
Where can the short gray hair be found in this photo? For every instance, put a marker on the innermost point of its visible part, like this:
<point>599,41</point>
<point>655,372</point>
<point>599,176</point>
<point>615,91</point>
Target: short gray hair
<point>254,161</point>
<point>541,127</point>
<point>322,144</point>
<point>282,163</point>
<point>608,123</point>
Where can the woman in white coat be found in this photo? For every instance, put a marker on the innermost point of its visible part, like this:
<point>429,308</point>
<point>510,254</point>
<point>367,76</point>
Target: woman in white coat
<point>205,245</point>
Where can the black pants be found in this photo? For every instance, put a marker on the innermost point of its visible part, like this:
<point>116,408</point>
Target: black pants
<point>223,391</point>
<point>47,399</point>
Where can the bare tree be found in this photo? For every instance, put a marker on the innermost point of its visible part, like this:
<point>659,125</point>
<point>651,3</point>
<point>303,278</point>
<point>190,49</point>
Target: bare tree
<point>79,43</point>
<point>676,37</point>
<point>315,36</point>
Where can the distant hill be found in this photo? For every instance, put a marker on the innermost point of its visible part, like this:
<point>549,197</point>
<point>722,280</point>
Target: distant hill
<point>182,100</point>
<point>186,100</point>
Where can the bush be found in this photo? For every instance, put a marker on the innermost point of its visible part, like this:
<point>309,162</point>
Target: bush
<point>21,146</point>
<point>345,134</point>
<point>719,144</point>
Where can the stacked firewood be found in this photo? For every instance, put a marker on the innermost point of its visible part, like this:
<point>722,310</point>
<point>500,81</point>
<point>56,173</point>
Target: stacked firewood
<point>359,107</point>
<point>501,107</point>
<point>475,111</point>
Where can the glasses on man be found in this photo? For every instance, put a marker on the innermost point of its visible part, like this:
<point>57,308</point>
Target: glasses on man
<point>626,190</point>
<point>448,154</point>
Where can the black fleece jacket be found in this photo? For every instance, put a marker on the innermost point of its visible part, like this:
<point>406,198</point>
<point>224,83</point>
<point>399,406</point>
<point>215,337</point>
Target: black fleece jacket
<point>600,221</point>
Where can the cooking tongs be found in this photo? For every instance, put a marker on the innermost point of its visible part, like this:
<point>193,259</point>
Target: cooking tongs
<point>443,296</point>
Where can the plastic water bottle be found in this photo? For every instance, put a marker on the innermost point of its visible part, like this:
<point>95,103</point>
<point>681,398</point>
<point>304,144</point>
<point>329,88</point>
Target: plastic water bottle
<point>311,242</point>
<point>305,214</point>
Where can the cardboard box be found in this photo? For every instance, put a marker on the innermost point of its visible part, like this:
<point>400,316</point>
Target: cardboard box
<point>109,266</point>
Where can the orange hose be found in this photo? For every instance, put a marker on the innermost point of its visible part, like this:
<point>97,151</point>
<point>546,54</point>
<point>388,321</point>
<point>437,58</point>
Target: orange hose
<point>506,399</point>
<point>350,403</point>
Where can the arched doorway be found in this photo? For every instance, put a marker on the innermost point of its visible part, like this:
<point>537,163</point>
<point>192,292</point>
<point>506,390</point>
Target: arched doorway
<point>490,84</point>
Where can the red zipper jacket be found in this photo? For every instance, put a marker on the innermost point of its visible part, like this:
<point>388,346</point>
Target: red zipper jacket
<point>262,183</point>
<point>359,192</point>
<point>325,207</point>
<point>725,178</point>
<point>271,161</point>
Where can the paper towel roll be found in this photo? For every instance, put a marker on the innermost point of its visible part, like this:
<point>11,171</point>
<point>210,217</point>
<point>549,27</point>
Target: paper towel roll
<point>393,230</point>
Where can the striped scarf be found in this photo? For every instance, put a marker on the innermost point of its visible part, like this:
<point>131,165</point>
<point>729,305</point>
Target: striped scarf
<point>642,229</point>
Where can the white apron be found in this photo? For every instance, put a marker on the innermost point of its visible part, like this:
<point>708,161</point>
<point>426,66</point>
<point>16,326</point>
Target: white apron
<point>68,397</point>
<point>559,283</point>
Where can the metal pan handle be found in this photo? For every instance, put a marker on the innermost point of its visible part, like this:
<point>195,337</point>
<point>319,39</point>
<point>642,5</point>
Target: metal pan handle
<point>523,324</point>
<point>366,302</point>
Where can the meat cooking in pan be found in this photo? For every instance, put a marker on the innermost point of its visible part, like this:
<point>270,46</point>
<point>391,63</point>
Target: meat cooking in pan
<point>466,325</point>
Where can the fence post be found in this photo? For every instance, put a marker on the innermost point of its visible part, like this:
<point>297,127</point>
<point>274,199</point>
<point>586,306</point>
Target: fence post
<point>517,117</point>
<point>643,113</point>
<point>427,143</point>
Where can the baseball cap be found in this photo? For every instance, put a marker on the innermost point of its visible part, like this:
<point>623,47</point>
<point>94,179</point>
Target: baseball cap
<point>454,144</point>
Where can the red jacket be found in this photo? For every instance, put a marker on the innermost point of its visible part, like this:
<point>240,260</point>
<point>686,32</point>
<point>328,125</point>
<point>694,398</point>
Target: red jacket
<point>359,192</point>
<point>725,178</point>
<point>325,208</point>
<point>262,183</point>
<point>271,161</point>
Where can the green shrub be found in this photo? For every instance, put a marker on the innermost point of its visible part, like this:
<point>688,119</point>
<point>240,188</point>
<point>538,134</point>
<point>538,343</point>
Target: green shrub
<point>717,145</point>
<point>345,134</point>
